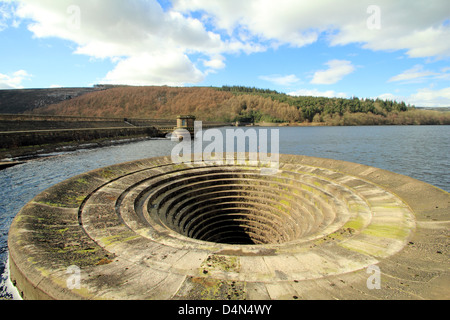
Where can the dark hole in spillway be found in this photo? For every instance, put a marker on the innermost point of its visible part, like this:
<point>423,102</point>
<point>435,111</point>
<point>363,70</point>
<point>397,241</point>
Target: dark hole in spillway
<point>238,206</point>
<point>230,228</point>
<point>232,233</point>
<point>231,219</point>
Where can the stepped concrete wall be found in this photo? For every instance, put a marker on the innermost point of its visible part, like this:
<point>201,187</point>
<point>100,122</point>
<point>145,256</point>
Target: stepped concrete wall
<point>15,139</point>
<point>315,229</point>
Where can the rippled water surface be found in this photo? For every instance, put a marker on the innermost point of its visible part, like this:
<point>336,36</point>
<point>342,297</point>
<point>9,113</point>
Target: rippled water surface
<point>420,152</point>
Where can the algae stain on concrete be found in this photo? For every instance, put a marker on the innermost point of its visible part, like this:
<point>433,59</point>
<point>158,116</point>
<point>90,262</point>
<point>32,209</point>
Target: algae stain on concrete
<point>220,263</point>
<point>118,238</point>
<point>201,288</point>
<point>387,231</point>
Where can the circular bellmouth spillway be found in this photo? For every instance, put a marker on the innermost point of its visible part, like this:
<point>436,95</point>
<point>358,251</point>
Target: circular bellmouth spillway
<point>311,228</point>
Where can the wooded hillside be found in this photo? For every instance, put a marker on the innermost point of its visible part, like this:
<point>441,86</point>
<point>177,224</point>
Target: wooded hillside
<point>14,101</point>
<point>243,104</point>
<point>145,102</point>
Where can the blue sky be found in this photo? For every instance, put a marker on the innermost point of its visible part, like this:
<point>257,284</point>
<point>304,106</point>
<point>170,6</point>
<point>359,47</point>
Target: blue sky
<point>389,49</point>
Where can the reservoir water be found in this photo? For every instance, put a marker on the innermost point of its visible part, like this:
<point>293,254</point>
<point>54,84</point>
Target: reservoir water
<point>421,152</point>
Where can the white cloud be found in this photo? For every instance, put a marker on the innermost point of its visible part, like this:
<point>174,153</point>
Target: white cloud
<point>317,93</point>
<point>414,74</point>
<point>418,28</point>
<point>124,31</point>
<point>4,12</point>
<point>287,80</point>
<point>418,74</point>
<point>14,80</point>
<point>7,15</point>
<point>389,96</point>
<point>4,16</point>
<point>283,21</point>
<point>337,70</point>
<point>425,97</point>
<point>173,69</point>
<point>431,98</point>
<point>216,62</point>
<point>129,33</point>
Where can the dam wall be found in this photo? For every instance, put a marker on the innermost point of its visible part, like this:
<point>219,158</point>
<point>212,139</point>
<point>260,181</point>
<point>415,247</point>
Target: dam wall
<point>20,130</point>
<point>22,135</point>
<point>32,117</point>
<point>58,125</point>
<point>40,122</point>
<point>16,139</point>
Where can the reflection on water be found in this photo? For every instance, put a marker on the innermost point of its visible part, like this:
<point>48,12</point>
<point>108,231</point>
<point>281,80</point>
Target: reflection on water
<point>420,152</point>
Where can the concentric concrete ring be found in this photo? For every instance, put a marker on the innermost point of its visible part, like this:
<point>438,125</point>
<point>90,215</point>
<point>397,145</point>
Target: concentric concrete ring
<point>152,229</point>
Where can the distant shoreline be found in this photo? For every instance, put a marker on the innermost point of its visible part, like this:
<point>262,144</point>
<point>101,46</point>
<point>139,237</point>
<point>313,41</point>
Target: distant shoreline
<point>319,124</point>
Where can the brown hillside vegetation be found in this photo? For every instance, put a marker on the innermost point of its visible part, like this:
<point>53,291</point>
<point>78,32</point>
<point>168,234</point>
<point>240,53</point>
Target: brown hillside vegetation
<point>207,104</point>
<point>144,102</point>
<point>243,104</point>
<point>15,101</point>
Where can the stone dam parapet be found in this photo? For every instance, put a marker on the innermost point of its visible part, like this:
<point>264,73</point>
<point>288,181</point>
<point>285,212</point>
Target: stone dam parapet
<point>33,130</point>
<point>18,139</point>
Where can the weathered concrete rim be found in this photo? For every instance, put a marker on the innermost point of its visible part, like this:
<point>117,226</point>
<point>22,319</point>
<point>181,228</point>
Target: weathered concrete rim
<point>47,237</point>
